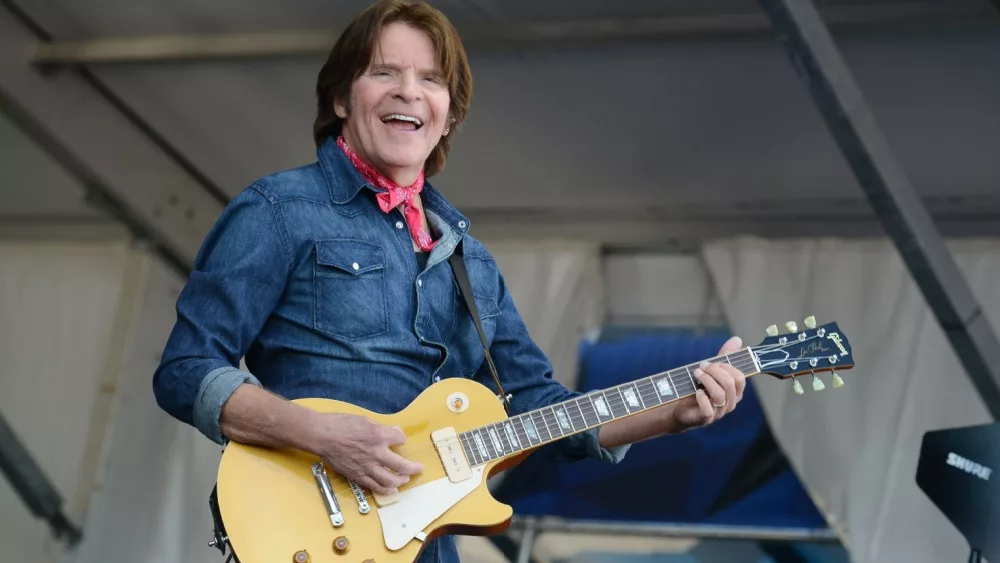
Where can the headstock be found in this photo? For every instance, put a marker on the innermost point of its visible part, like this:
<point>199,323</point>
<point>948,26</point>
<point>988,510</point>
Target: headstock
<point>809,351</point>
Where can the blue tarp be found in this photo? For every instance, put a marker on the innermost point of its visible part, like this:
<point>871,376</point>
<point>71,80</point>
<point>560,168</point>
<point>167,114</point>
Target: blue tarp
<point>672,479</point>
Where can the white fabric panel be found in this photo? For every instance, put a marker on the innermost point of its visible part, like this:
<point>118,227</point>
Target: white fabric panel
<point>151,499</point>
<point>660,290</point>
<point>558,288</point>
<point>856,448</point>
<point>58,303</point>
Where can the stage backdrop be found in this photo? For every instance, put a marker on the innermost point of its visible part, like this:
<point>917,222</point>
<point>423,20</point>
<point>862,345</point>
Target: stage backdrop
<point>856,448</point>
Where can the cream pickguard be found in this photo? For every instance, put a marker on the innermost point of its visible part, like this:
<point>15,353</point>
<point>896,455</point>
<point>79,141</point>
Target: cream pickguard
<point>416,508</point>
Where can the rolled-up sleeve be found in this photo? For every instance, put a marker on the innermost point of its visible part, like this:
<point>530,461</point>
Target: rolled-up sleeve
<point>238,278</point>
<point>526,373</point>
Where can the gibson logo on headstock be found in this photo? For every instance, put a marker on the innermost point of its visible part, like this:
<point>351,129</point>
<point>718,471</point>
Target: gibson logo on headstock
<point>836,340</point>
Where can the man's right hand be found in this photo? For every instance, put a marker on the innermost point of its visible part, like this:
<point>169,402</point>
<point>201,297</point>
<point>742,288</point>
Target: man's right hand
<point>356,447</point>
<point>359,449</point>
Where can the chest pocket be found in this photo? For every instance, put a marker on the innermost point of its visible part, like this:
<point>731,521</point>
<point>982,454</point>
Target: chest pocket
<point>349,289</point>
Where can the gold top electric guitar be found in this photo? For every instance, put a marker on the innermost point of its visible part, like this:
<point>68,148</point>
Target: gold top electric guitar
<point>284,506</point>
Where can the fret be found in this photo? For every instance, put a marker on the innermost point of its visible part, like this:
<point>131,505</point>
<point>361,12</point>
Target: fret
<point>496,435</point>
<point>683,383</point>
<point>665,387</point>
<point>549,414</point>
<point>590,418</point>
<point>617,404</point>
<point>562,419</point>
<point>491,433</point>
<point>512,437</point>
<point>538,419</point>
<point>574,414</point>
<point>470,452</point>
<point>694,386</point>
<point>480,445</point>
<point>517,424</point>
<point>485,444</point>
<point>631,397</point>
<point>648,393</point>
<point>601,406</point>
<point>529,429</point>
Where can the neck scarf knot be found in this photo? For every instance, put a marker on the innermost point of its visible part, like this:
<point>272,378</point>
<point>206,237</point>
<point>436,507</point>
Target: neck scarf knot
<point>394,195</point>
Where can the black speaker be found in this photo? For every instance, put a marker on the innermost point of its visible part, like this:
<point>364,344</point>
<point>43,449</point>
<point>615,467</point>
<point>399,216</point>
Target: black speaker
<point>958,472</point>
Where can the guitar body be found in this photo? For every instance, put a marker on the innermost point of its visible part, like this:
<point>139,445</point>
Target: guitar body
<point>273,509</point>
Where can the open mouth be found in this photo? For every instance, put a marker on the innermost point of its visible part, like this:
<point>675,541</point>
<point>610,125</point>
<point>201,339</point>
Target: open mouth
<point>402,122</point>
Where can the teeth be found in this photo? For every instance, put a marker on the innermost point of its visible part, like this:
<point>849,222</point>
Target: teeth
<point>402,117</point>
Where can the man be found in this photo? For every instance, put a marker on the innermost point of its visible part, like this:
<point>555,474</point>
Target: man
<point>333,280</point>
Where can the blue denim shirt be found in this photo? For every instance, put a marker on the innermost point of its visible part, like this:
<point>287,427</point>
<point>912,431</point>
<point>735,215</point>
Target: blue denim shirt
<point>321,292</point>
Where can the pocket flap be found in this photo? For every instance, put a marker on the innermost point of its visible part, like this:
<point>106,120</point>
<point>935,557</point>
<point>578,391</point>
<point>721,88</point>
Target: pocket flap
<point>351,256</point>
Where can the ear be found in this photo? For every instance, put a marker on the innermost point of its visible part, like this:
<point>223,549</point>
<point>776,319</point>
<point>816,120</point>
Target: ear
<point>339,108</point>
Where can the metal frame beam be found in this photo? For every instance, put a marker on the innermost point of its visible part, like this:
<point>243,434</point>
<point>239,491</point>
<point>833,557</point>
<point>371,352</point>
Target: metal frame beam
<point>818,63</point>
<point>122,163</point>
<point>685,531</point>
<point>497,36</point>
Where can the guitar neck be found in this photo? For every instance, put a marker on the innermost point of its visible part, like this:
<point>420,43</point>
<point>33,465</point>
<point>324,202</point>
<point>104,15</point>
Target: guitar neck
<point>596,408</point>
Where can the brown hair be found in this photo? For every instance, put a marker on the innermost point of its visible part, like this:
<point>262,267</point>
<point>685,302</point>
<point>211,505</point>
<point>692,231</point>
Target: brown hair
<point>353,52</point>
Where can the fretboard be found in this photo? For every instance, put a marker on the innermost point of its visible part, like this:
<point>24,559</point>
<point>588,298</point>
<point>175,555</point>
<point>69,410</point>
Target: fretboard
<point>548,424</point>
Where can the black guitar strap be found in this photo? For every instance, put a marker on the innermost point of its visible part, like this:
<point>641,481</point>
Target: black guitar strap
<point>465,288</point>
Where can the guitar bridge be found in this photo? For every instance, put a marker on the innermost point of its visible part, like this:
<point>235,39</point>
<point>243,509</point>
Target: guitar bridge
<point>359,494</point>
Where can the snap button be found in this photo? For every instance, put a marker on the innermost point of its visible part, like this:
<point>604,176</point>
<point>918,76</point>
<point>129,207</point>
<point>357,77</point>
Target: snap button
<point>399,224</point>
<point>355,266</point>
<point>420,283</point>
<point>461,224</point>
<point>437,378</point>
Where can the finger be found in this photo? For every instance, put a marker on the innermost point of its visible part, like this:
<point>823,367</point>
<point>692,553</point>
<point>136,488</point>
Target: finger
<point>398,463</point>
<point>387,479</point>
<point>724,377</point>
<point>392,435</point>
<point>741,383</point>
<point>731,345</point>
<point>372,485</point>
<point>705,406</point>
<point>715,392</point>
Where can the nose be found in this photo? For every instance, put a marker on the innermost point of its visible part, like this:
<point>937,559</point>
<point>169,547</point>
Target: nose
<point>408,89</point>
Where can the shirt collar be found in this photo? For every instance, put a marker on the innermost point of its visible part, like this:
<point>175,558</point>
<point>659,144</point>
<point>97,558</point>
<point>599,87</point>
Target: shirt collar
<point>345,182</point>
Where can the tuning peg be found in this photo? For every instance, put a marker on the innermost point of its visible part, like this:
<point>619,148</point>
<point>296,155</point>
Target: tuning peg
<point>772,330</point>
<point>818,384</point>
<point>810,322</point>
<point>797,387</point>
<point>837,381</point>
<point>791,326</point>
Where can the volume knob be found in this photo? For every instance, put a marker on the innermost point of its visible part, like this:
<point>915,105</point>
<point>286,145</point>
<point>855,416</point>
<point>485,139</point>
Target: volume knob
<point>341,545</point>
<point>301,557</point>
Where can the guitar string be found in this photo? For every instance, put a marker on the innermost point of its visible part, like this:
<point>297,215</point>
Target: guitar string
<point>424,450</point>
<point>741,363</point>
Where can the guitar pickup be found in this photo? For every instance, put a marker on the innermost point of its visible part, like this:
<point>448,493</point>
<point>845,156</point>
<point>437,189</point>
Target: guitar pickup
<point>329,499</point>
<point>449,448</point>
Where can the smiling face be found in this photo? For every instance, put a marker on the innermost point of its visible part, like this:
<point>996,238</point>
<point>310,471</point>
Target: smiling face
<point>398,108</point>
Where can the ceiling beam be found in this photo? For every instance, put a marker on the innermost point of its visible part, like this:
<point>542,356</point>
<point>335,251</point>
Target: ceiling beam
<point>121,162</point>
<point>497,36</point>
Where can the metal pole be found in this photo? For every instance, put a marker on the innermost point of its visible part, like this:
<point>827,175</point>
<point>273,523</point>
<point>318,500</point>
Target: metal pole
<point>527,541</point>
<point>32,485</point>
<point>819,64</point>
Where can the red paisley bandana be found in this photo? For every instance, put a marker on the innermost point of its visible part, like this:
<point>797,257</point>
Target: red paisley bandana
<point>394,196</point>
